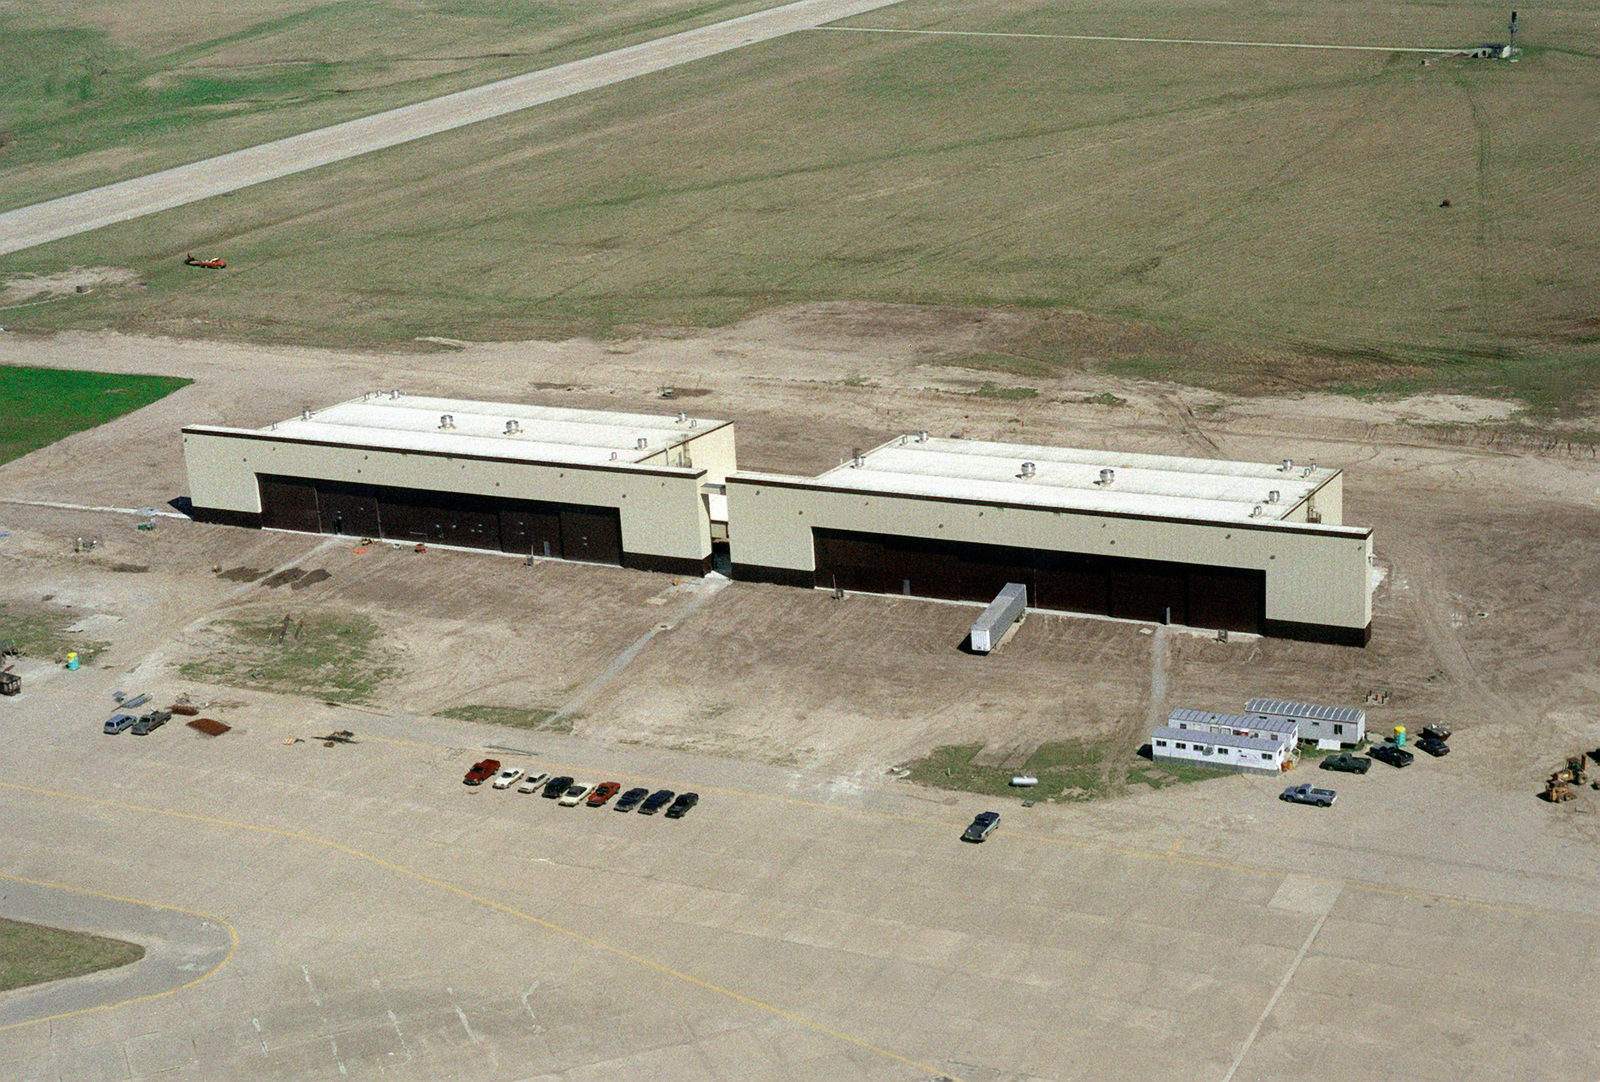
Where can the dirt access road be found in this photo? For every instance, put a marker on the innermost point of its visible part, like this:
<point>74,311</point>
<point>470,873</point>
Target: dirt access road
<point>70,215</point>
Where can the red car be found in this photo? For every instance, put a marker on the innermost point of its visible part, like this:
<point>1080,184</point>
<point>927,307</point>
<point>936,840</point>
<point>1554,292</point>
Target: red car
<point>602,793</point>
<point>482,772</point>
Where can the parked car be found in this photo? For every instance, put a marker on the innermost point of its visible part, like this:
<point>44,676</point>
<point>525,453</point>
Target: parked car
<point>1309,794</point>
<point>151,722</point>
<point>1392,754</point>
<point>1434,746</point>
<point>481,772</point>
<point>534,782</point>
<point>116,723</point>
<point>656,801</point>
<point>602,793</point>
<point>681,806</point>
<point>1436,732</point>
<point>574,795</point>
<point>982,826</point>
<point>556,787</point>
<point>1349,764</point>
<point>630,800</point>
<point>508,777</point>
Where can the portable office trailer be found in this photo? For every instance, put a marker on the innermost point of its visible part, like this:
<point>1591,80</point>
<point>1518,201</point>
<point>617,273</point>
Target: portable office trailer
<point>1279,730</point>
<point>1006,609</point>
<point>1219,751</point>
<point>1329,726</point>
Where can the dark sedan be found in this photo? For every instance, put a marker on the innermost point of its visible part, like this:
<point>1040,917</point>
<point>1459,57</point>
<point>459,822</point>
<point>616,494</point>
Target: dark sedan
<point>630,800</point>
<point>656,801</point>
<point>681,806</point>
<point>556,787</point>
<point>1433,747</point>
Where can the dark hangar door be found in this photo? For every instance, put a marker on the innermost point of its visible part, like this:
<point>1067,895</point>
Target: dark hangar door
<point>591,534</point>
<point>348,509</point>
<point>1229,598</point>
<point>288,503</point>
<point>1071,582</point>
<point>530,529</point>
<point>1146,590</point>
<point>851,561</point>
<point>921,568</point>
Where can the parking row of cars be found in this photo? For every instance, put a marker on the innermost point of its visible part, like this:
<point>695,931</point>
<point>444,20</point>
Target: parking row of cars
<point>1434,740</point>
<point>569,792</point>
<point>138,725</point>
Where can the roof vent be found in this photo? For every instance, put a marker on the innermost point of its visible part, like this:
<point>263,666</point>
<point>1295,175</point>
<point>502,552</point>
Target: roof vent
<point>694,424</point>
<point>643,442</point>
<point>447,420</point>
<point>395,393</point>
<point>857,459</point>
<point>305,415</point>
<point>512,428</point>
<point>1272,496</point>
<point>922,436</point>
<point>1288,464</point>
<point>682,417</point>
<point>613,456</point>
<point>1106,477</point>
<point>1255,512</point>
<point>1305,471</point>
<point>1028,469</point>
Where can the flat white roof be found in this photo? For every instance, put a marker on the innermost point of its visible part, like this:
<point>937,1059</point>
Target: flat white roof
<point>537,433</point>
<point>1163,485</point>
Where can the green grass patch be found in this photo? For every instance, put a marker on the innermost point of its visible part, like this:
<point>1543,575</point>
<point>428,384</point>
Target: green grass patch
<point>334,658</point>
<point>1005,394</point>
<point>39,406</point>
<point>998,362</point>
<point>44,634</point>
<point>538,718</point>
<point>1104,398</point>
<point>1067,771</point>
<point>34,954</point>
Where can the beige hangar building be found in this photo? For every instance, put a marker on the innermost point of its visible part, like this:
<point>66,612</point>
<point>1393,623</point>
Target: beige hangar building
<point>613,488</point>
<point>1226,545</point>
<point>1218,545</point>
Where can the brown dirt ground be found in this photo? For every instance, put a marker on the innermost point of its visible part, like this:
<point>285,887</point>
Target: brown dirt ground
<point>852,686</point>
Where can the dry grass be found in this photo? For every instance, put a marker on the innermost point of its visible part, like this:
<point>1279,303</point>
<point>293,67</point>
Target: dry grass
<point>1274,213</point>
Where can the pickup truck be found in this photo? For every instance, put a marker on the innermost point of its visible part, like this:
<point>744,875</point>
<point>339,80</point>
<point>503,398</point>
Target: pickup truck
<point>1307,794</point>
<point>150,722</point>
<point>1349,764</point>
<point>481,772</point>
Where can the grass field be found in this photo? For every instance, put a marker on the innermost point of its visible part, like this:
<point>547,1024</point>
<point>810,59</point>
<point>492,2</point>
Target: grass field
<point>108,89</point>
<point>1067,770</point>
<point>335,658</point>
<point>43,634</point>
<point>39,406</point>
<point>537,718</point>
<point>1259,217</point>
<point>33,954</point>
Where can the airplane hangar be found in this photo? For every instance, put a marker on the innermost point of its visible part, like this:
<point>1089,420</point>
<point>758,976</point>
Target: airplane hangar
<point>1237,546</point>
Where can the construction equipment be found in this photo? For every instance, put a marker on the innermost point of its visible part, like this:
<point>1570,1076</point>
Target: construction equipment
<point>10,683</point>
<point>1575,765</point>
<point>1557,789</point>
<point>208,262</point>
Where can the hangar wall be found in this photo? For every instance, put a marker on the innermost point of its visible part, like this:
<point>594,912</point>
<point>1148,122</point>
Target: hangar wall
<point>1316,576</point>
<point>664,522</point>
